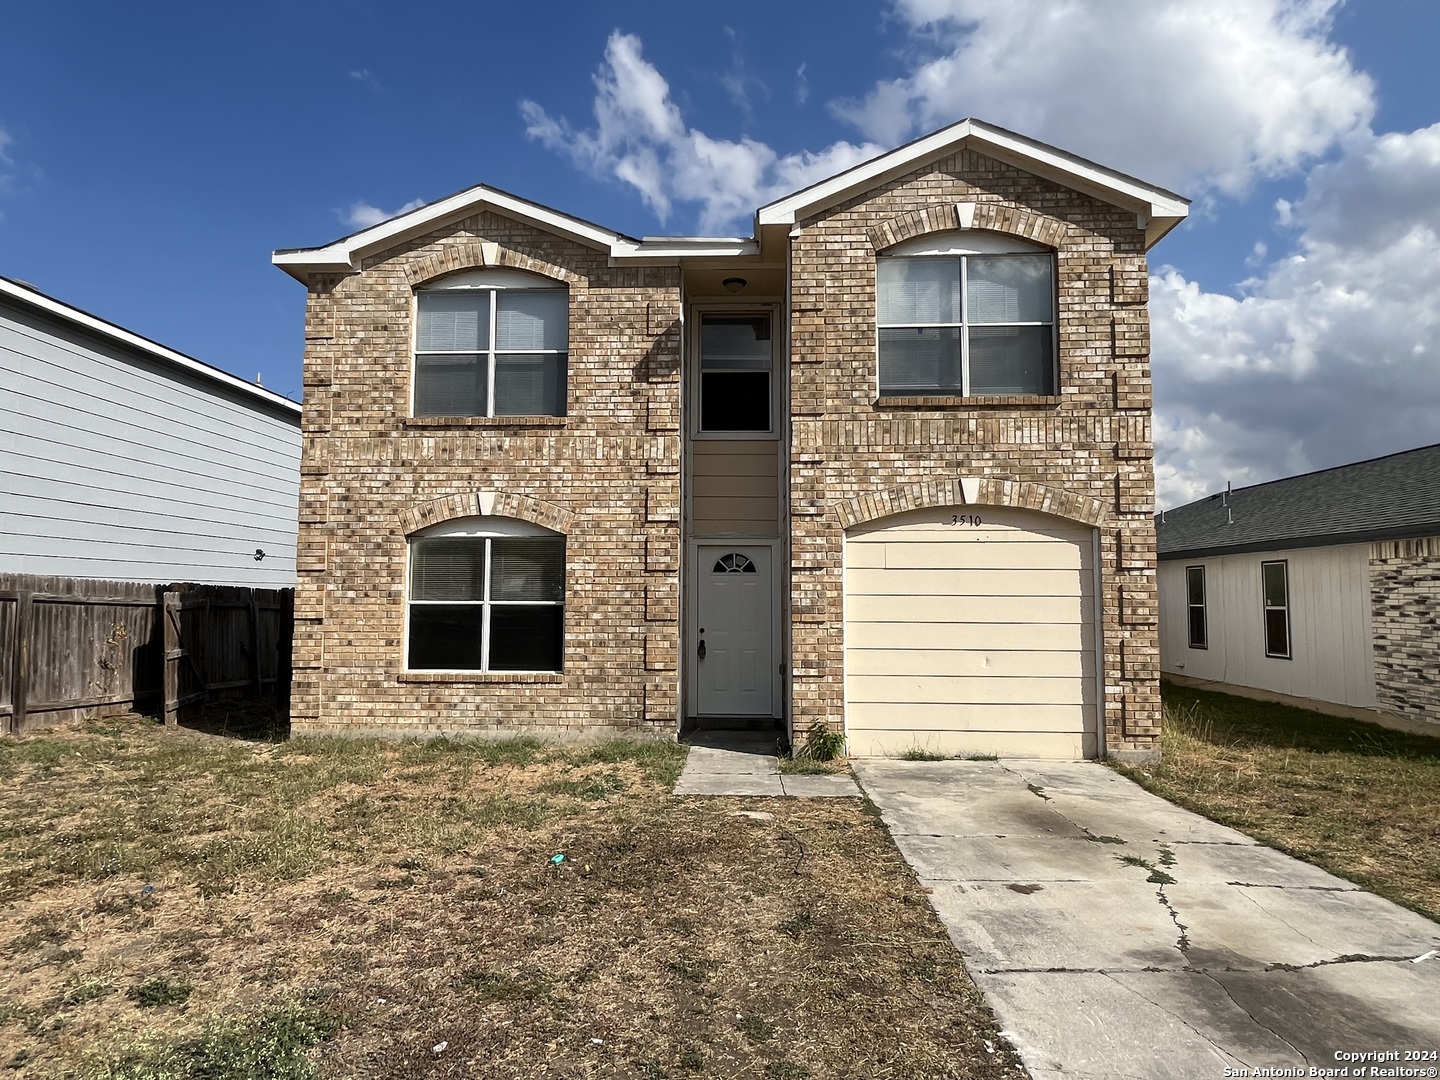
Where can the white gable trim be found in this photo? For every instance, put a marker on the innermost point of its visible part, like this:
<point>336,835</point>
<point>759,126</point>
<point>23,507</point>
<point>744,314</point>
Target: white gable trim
<point>1157,210</point>
<point>40,302</point>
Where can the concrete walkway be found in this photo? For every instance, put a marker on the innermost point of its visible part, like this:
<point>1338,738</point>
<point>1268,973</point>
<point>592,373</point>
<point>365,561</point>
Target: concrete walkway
<point>737,763</point>
<point>1116,935</point>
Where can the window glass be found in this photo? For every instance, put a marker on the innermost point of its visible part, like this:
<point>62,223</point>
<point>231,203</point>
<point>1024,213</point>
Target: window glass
<point>1195,590</point>
<point>447,568</point>
<point>1276,588</point>
<point>736,354</point>
<point>1277,632</point>
<point>1275,591</point>
<point>524,638</point>
<point>1000,339</point>
<point>449,385</point>
<point>1010,289</point>
<point>529,384</point>
<point>531,319</point>
<point>527,569</point>
<point>453,322</point>
<point>446,638</point>
<point>1195,583</point>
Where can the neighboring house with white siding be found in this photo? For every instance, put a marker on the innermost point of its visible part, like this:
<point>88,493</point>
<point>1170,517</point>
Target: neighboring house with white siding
<point>1323,588</point>
<point>122,459</point>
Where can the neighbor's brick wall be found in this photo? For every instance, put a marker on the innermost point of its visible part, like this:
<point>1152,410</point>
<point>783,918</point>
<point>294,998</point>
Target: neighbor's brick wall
<point>1405,611</point>
<point>1093,439</point>
<point>609,471</point>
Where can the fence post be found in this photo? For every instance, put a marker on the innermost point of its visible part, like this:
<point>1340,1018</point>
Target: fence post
<point>170,654</point>
<point>256,685</point>
<point>20,673</point>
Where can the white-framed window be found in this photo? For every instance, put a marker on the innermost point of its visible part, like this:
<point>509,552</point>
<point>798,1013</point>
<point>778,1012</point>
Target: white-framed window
<point>968,314</point>
<point>1195,605</point>
<point>491,343</point>
<point>486,594</point>
<point>737,373</point>
<point>1275,587</point>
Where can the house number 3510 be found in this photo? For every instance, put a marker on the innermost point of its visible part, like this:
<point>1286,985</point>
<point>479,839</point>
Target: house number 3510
<point>964,519</point>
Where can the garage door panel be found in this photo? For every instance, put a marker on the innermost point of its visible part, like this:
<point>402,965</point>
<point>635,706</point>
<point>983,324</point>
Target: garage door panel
<point>940,554</point>
<point>964,689</point>
<point>1069,663</point>
<point>951,716</point>
<point>1056,746</point>
<point>971,583</point>
<point>981,609</point>
<point>1073,636</point>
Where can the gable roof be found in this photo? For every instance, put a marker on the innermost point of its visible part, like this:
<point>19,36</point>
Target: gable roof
<point>27,296</point>
<point>1159,210</point>
<point>1385,498</point>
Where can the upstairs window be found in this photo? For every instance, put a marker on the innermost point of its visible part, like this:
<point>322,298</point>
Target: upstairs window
<point>968,314</point>
<point>736,363</point>
<point>486,594</point>
<point>491,343</point>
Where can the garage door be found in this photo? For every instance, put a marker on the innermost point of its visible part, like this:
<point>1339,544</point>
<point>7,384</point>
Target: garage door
<point>970,630</point>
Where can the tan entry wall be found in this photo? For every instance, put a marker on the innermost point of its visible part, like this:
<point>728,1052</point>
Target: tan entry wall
<point>968,638</point>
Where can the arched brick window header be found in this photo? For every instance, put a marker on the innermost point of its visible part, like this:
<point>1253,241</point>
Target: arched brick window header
<point>988,491</point>
<point>988,216</point>
<point>480,255</point>
<point>487,503</point>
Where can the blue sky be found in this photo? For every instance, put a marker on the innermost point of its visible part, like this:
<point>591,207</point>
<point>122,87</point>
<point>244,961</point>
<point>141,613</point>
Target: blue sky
<point>152,155</point>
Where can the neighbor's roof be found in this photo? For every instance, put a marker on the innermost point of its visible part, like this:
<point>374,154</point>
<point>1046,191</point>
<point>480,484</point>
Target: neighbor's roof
<point>1386,498</point>
<point>1157,210</point>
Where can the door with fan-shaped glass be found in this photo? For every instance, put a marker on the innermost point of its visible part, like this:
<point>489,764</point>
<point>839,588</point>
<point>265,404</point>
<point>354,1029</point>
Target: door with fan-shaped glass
<point>734,653</point>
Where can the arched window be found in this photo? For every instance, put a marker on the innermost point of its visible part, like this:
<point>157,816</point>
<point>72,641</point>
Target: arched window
<point>486,594</point>
<point>733,563</point>
<point>966,313</point>
<point>491,343</point>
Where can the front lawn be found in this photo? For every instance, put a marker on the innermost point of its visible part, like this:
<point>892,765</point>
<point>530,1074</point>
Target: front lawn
<point>179,905</point>
<point>1361,801</point>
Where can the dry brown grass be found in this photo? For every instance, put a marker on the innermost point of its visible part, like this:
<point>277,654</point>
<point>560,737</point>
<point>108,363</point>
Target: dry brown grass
<point>1359,800</point>
<point>409,892</point>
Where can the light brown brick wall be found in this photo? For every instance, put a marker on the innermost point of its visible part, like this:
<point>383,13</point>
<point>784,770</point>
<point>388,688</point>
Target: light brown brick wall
<point>607,475</point>
<point>1405,610</point>
<point>1086,452</point>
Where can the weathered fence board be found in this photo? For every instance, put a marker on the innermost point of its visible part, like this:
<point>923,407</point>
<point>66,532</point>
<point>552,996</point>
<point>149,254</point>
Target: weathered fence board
<point>71,648</point>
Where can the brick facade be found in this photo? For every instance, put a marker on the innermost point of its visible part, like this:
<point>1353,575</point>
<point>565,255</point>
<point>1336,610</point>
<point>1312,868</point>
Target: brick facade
<point>1405,610</point>
<point>1084,453</point>
<point>606,476</point>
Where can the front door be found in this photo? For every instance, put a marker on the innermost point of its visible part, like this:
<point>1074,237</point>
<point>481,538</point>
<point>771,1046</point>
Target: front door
<point>734,654</point>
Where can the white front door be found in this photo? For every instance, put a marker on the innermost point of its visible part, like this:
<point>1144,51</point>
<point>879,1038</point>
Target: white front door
<point>733,649</point>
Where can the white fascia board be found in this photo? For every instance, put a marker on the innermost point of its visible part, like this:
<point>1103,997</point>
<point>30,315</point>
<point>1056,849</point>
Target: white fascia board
<point>94,325</point>
<point>674,248</point>
<point>1163,209</point>
<point>345,254</point>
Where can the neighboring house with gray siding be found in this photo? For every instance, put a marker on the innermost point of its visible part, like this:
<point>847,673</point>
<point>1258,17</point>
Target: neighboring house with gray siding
<point>1323,587</point>
<point>122,459</point>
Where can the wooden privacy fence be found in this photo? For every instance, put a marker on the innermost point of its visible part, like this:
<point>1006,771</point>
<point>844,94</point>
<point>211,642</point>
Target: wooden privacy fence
<point>71,648</point>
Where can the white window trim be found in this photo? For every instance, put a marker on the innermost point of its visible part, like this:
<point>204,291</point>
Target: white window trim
<point>480,528</point>
<point>489,281</point>
<point>962,245</point>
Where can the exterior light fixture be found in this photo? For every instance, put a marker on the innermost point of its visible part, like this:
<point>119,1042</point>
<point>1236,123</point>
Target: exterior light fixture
<point>734,284</point>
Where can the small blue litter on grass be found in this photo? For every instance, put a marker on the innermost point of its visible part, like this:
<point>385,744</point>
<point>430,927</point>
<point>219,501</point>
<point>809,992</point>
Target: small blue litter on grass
<point>557,859</point>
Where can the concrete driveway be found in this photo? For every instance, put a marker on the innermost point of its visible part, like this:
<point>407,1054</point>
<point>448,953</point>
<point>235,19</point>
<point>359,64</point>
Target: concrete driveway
<point>1116,935</point>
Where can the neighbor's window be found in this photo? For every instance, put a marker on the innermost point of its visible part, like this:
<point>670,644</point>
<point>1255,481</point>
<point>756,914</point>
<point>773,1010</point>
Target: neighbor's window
<point>970,315</point>
<point>486,595</point>
<point>1195,593</point>
<point>491,343</point>
<point>1276,586</point>
<point>736,358</point>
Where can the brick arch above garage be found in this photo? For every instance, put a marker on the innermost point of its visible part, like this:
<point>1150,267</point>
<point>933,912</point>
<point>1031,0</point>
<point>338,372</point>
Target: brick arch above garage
<point>486,504</point>
<point>985,491</point>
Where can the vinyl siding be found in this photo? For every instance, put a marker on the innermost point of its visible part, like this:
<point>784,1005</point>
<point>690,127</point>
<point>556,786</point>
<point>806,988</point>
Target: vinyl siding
<point>1331,647</point>
<point>115,465</point>
<point>971,639</point>
<point>734,487</point>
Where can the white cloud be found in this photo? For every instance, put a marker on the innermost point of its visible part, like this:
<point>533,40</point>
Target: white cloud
<point>363,75</point>
<point>1199,95</point>
<point>641,139</point>
<point>1330,354</point>
<point>361,215</point>
<point>802,86</point>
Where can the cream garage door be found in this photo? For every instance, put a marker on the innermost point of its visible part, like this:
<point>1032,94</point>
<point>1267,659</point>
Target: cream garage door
<point>970,630</point>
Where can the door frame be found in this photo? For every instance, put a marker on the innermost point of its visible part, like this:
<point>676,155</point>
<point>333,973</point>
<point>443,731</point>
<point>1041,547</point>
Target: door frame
<point>691,635</point>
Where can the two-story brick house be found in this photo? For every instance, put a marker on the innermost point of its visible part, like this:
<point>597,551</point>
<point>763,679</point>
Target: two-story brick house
<point>887,463</point>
